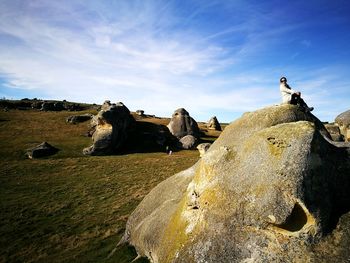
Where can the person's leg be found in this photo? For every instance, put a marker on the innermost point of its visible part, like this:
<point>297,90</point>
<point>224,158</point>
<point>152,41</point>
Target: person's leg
<point>303,104</point>
<point>294,100</point>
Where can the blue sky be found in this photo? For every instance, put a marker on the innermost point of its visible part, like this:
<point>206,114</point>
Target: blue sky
<point>218,58</point>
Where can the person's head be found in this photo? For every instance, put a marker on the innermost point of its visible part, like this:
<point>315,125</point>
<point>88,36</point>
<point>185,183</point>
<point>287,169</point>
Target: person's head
<point>283,80</point>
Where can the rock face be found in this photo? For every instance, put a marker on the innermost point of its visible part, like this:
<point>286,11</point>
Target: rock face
<point>111,125</point>
<point>270,189</point>
<point>182,124</point>
<point>74,119</point>
<point>188,142</point>
<point>334,131</point>
<point>42,150</point>
<point>343,121</point>
<point>213,124</point>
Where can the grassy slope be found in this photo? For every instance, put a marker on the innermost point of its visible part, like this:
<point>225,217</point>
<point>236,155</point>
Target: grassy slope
<point>69,207</point>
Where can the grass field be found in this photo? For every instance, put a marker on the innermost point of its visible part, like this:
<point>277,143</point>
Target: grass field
<point>69,207</point>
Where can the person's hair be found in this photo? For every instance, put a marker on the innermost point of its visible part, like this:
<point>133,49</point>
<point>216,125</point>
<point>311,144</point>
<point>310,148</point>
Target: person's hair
<point>283,78</point>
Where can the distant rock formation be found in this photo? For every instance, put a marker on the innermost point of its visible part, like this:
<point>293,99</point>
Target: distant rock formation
<point>271,188</point>
<point>182,124</point>
<point>334,131</point>
<point>74,119</point>
<point>52,106</point>
<point>343,121</point>
<point>41,150</point>
<point>213,124</point>
<point>110,131</point>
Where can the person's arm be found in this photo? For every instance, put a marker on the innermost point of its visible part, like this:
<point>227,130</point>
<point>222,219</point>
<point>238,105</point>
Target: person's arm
<point>283,88</point>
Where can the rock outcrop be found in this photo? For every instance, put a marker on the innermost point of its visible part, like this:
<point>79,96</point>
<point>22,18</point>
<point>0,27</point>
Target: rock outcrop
<point>343,121</point>
<point>110,130</point>
<point>182,124</point>
<point>41,150</point>
<point>271,188</point>
<point>213,124</point>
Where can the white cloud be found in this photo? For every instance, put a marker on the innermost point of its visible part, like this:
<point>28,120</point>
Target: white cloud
<point>141,53</point>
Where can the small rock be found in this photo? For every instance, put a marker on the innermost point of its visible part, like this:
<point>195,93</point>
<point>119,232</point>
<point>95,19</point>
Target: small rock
<point>42,150</point>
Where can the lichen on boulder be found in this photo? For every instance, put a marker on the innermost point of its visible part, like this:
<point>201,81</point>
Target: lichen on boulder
<point>269,189</point>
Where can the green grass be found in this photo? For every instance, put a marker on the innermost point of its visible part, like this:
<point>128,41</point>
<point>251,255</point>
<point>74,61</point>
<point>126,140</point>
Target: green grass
<point>69,207</point>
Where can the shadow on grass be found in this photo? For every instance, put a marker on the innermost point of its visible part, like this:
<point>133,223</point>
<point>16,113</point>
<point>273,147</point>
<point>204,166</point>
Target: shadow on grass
<point>126,253</point>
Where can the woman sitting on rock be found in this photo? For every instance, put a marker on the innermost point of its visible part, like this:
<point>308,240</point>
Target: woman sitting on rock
<point>291,96</point>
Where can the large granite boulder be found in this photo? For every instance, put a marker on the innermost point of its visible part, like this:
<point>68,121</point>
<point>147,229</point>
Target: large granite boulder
<point>182,124</point>
<point>42,150</point>
<point>110,131</point>
<point>213,124</point>
<point>343,121</point>
<point>271,188</point>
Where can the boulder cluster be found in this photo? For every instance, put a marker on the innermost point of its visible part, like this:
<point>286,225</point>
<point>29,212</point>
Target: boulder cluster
<point>271,188</point>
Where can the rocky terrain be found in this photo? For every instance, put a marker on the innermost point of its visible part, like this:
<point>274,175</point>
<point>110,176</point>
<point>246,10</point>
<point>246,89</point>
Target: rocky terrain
<point>272,188</point>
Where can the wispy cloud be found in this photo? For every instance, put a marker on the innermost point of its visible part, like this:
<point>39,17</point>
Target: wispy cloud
<point>148,54</point>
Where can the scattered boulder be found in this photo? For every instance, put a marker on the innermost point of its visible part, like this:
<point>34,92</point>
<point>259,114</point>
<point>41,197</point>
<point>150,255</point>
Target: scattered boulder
<point>334,131</point>
<point>182,124</point>
<point>188,142</point>
<point>270,189</point>
<point>48,106</point>
<point>343,121</point>
<point>42,150</point>
<point>37,105</point>
<point>111,127</point>
<point>73,107</point>
<point>74,119</point>
<point>203,148</point>
<point>213,124</point>
<point>140,113</point>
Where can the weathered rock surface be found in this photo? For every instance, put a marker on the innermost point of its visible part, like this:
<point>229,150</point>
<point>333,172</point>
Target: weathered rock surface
<point>213,124</point>
<point>182,124</point>
<point>203,148</point>
<point>188,142</point>
<point>271,188</point>
<point>111,127</point>
<point>343,121</point>
<point>334,131</point>
<point>74,119</point>
<point>41,150</point>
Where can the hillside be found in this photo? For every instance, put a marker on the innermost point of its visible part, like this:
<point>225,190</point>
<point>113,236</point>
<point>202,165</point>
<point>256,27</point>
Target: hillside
<point>69,207</point>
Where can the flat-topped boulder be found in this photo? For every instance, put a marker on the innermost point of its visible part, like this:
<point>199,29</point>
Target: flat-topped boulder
<point>182,124</point>
<point>271,188</point>
<point>110,129</point>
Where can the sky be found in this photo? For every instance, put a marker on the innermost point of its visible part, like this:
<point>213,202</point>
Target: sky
<point>213,58</point>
